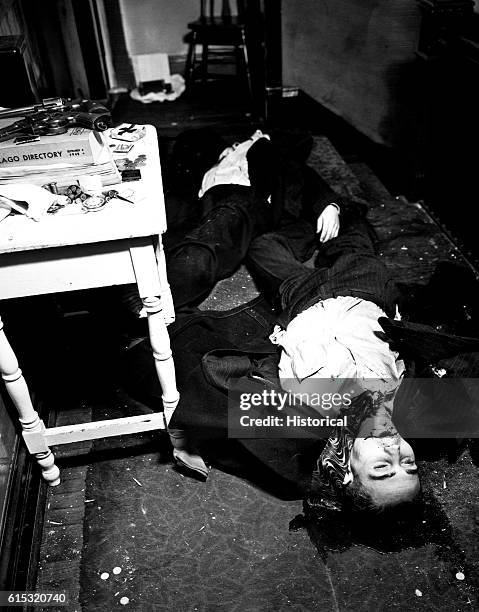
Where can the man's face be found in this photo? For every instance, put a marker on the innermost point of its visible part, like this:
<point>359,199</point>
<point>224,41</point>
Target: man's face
<point>386,467</point>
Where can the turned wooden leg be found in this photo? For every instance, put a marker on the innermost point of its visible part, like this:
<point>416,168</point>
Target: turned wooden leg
<point>190,62</point>
<point>167,306</point>
<point>160,344</point>
<point>246,63</point>
<point>31,423</point>
<point>204,63</point>
<point>150,272</point>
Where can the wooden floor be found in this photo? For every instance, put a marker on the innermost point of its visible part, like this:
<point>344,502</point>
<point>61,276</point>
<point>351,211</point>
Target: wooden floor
<point>212,105</point>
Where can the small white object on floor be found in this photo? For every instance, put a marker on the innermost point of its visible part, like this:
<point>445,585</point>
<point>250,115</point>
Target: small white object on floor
<point>177,85</point>
<point>124,601</point>
<point>418,592</point>
<point>155,67</point>
<point>460,576</point>
<point>116,570</point>
<point>105,576</point>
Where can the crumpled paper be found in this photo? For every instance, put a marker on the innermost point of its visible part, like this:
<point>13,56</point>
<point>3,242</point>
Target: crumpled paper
<point>37,198</point>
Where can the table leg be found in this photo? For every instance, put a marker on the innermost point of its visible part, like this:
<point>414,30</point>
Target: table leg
<point>150,272</point>
<point>160,344</point>
<point>31,423</point>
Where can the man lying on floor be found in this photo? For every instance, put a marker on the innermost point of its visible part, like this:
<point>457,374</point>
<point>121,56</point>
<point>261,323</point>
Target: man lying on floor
<point>330,327</point>
<point>260,185</point>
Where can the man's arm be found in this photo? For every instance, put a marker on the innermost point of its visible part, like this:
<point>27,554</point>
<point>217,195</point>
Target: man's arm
<point>326,209</point>
<point>322,205</point>
<point>328,223</point>
<point>296,189</point>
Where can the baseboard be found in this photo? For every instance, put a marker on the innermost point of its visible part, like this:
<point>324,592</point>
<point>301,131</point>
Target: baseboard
<point>177,63</point>
<point>284,91</point>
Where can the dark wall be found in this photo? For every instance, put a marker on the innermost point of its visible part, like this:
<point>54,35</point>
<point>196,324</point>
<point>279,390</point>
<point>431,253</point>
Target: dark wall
<point>356,57</point>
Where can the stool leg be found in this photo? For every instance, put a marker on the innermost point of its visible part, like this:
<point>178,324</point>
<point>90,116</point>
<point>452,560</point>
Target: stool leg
<point>190,62</point>
<point>204,63</point>
<point>246,63</point>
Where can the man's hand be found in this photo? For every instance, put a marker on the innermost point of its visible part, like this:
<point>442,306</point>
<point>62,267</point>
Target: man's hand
<point>328,223</point>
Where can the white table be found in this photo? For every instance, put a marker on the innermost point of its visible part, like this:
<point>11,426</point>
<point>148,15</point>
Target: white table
<point>117,245</point>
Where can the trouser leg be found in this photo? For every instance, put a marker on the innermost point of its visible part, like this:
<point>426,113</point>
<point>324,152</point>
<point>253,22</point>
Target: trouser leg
<point>276,265</point>
<point>346,265</point>
<point>216,247</point>
<point>276,256</point>
<point>232,216</point>
<point>355,237</point>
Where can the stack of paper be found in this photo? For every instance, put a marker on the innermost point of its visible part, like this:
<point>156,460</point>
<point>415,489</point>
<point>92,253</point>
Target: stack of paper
<point>76,146</point>
<point>63,173</point>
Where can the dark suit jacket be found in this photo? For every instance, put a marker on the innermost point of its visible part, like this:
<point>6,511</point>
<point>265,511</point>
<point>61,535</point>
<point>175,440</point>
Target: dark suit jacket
<point>278,167</point>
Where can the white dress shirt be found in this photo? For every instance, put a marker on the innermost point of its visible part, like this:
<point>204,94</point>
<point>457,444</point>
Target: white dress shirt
<point>335,339</point>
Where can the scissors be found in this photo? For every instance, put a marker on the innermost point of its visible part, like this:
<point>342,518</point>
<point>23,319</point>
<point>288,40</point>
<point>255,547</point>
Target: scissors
<point>112,194</point>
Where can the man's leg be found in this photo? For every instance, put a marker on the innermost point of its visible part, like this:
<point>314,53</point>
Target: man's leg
<point>346,265</point>
<point>276,256</point>
<point>231,216</point>
<point>275,264</point>
<point>356,236</point>
<point>214,249</point>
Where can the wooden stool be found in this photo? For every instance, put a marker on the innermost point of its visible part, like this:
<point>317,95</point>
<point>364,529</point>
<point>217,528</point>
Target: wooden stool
<point>225,31</point>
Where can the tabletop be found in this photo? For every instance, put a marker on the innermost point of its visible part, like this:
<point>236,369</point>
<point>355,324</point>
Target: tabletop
<point>117,220</point>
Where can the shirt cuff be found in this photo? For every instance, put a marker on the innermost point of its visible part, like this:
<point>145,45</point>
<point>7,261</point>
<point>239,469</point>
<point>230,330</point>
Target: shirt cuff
<point>338,208</point>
